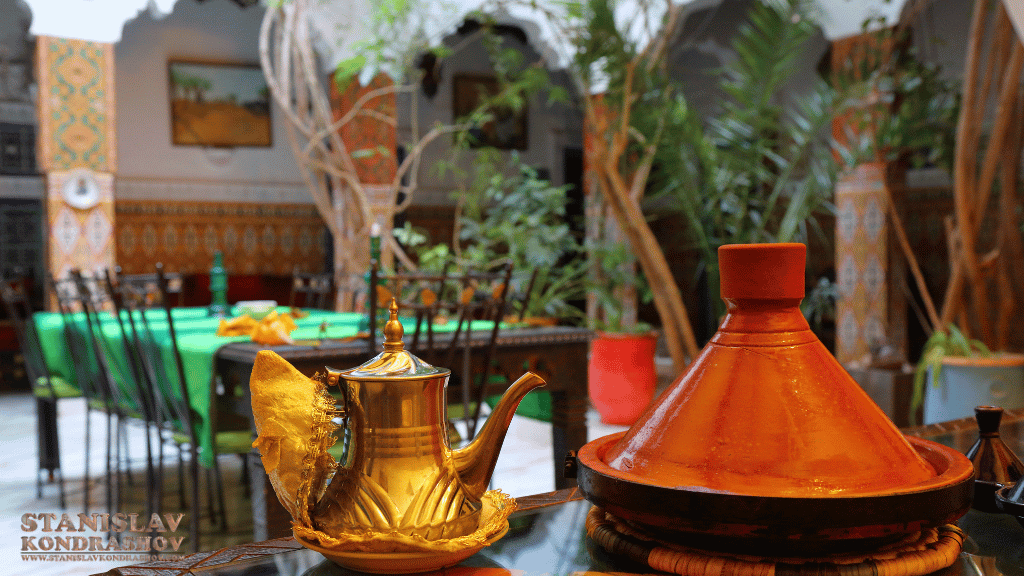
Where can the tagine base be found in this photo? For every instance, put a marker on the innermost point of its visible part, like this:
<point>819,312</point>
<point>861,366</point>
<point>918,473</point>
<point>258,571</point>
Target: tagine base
<point>775,525</point>
<point>915,555</point>
<point>401,562</point>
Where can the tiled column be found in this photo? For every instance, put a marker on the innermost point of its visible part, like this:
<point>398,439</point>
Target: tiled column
<point>77,151</point>
<point>870,272</point>
<point>377,141</point>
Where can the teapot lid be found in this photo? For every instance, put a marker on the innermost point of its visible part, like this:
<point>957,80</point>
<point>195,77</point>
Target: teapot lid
<point>395,362</point>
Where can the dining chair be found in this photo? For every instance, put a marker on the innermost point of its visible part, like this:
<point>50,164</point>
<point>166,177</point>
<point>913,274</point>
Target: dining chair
<point>311,290</point>
<point>226,440</point>
<point>147,286</point>
<point>117,393</point>
<point>130,297</point>
<point>168,413</point>
<point>47,388</point>
<point>439,299</point>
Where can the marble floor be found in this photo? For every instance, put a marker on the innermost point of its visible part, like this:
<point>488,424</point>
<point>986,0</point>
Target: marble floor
<point>524,467</point>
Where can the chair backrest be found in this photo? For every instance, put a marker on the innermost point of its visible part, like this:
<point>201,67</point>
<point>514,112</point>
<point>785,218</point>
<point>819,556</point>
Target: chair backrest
<point>460,298</point>
<point>94,300</point>
<point>178,399</point>
<point>127,298</point>
<point>87,372</point>
<point>147,286</point>
<point>15,296</point>
<point>311,290</point>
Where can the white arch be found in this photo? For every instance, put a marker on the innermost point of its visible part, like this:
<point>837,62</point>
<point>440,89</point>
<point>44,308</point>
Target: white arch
<point>96,21</point>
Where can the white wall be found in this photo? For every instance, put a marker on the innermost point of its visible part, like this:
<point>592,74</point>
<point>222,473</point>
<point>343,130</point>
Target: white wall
<point>217,30</point>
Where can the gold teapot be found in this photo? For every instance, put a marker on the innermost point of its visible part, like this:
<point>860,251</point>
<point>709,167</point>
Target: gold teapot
<point>399,476</point>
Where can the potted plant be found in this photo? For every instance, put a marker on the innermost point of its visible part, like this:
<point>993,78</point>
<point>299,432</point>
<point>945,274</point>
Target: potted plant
<point>621,375</point>
<point>957,373</point>
<point>972,329</point>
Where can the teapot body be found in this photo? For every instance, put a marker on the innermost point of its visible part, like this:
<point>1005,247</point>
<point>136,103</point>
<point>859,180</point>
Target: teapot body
<point>399,471</point>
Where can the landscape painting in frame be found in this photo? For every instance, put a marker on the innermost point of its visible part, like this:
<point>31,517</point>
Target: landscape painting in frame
<point>215,104</point>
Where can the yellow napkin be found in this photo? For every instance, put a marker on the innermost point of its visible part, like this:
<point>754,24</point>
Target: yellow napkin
<point>240,326</point>
<point>293,415</point>
<point>274,329</point>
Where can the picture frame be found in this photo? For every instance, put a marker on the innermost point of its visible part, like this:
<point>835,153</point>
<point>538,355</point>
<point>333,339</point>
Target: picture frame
<point>218,104</point>
<point>508,130</point>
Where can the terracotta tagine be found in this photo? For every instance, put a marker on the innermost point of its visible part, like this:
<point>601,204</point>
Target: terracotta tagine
<point>766,440</point>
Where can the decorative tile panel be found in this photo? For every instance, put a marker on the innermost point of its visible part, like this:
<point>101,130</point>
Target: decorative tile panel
<point>184,236</point>
<point>368,134</point>
<point>80,238</point>
<point>76,105</point>
<point>871,308</point>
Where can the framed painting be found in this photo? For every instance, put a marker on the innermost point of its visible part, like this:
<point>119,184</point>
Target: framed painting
<point>508,129</point>
<point>218,104</point>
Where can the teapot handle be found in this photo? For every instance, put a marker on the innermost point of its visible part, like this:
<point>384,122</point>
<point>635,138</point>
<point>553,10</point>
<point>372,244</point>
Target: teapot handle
<point>334,380</point>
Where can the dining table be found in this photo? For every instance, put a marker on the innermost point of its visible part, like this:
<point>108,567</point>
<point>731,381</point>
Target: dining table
<point>547,535</point>
<point>200,347</point>
<point>556,353</point>
<point>218,369</point>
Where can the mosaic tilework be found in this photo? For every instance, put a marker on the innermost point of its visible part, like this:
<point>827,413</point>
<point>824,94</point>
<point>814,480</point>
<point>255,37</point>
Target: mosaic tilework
<point>871,310</point>
<point>76,105</point>
<point>364,133</point>
<point>373,143</point>
<point>255,238</point>
<point>79,238</point>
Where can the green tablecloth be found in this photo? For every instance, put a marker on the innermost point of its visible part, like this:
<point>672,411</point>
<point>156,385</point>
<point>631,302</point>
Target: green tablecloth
<point>198,344</point>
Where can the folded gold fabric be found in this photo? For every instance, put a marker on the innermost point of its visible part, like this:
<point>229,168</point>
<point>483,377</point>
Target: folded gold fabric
<point>240,326</point>
<point>293,416</point>
<point>273,329</point>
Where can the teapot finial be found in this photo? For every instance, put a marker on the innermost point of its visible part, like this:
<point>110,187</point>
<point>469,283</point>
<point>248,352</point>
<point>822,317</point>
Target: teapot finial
<point>393,330</point>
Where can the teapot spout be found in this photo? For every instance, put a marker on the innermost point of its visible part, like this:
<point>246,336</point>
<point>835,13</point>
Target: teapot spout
<point>475,463</point>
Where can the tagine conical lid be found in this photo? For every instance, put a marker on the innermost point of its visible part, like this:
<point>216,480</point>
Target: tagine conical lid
<point>765,409</point>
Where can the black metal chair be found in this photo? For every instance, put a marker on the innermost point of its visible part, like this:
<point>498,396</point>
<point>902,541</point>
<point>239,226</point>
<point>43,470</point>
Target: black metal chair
<point>461,298</point>
<point>311,290</point>
<point>48,389</point>
<point>167,412</point>
<point>119,393</point>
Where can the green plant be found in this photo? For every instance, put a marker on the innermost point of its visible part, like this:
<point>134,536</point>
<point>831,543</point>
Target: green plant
<point>897,107</point>
<point>820,303</point>
<point>429,257</point>
<point>757,170</point>
<point>511,215</point>
<point>613,274</point>
<point>940,345</point>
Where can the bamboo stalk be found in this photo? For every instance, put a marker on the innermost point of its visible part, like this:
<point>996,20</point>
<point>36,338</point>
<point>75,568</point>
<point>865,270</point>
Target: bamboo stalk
<point>973,215</point>
<point>1012,243</point>
<point>915,269</point>
<point>951,300</point>
<point>971,116</point>
<point>667,297</point>
<point>1001,127</point>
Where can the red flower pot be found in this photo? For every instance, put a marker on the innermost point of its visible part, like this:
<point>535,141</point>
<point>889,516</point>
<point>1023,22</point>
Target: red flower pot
<point>622,376</point>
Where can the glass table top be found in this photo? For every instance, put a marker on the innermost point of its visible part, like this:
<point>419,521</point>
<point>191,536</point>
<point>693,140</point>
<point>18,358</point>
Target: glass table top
<point>547,536</point>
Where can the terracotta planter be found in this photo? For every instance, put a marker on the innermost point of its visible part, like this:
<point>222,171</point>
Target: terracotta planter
<point>968,382</point>
<point>622,376</point>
